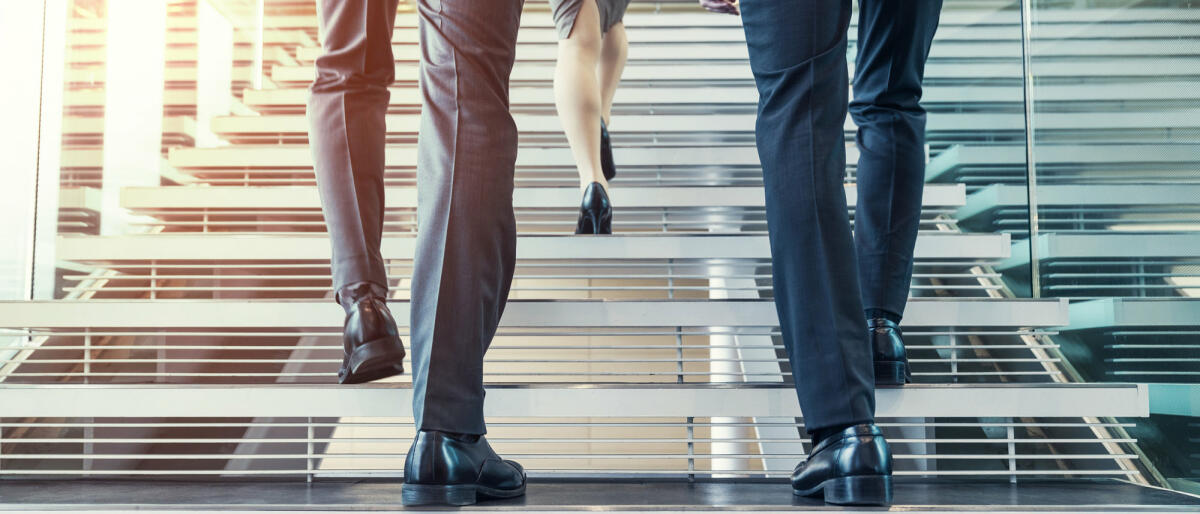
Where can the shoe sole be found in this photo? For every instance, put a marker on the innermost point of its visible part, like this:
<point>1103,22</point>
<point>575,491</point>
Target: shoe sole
<point>373,360</point>
<point>855,490</point>
<point>891,373</point>
<point>456,495</point>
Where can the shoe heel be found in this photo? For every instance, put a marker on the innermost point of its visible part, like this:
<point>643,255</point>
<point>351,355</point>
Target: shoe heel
<point>457,495</point>
<point>591,223</point>
<point>372,361</point>
<point>603,224</point>
<point>859,490</point>
<point>891,372</point>
<point>377,353</point>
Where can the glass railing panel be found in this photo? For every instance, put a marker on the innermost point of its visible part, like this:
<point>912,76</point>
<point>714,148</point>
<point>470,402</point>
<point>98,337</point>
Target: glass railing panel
<point>1116,93</point>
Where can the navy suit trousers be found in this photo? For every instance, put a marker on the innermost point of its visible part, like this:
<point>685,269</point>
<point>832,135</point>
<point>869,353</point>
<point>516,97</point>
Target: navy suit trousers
<point>822,282</point>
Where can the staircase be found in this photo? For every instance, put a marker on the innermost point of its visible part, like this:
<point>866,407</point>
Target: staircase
<point>202,341</point>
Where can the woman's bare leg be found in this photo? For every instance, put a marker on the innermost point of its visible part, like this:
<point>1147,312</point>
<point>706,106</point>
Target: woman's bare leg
<point>577,93</point>
<point>612,63</point>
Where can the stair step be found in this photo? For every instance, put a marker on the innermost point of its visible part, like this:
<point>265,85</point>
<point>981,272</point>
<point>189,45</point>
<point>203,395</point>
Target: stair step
<point>1148,313</point>
<point>300,157</point>
<point>935,71</point>
<point>1107,246</point>
<point>66,314</point>
<point>704,51</point>
<point>655,246</point>
<point>594,400</point>
<point>626,126</point>
<point>954,164</point>
<point>706,97</point>
<point>1092,197</point>
<point>304,197</point>
<point>295,24</point>
<point>616,496</point>
<point>1175,400</point>
<point>983,33</point>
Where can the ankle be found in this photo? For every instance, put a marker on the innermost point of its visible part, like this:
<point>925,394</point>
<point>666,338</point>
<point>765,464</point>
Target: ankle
<point>583,185</point>
<point>351,294</point>
<point>822,434</point>
<point>457,436</point>
<point>882,314</point>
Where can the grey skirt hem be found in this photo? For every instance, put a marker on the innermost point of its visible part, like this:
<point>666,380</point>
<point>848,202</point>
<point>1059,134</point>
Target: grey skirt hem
<point>565,12</point>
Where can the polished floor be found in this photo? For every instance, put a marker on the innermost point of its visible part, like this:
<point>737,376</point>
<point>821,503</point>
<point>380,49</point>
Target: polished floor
<point>912,495</point>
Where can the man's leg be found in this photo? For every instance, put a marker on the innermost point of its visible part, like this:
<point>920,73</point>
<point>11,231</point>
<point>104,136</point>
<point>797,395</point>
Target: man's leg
<point>466,240</point>
<point>466,247</point>
<point>798,55</point>
<point>894,37</point>
<point>346,109</point>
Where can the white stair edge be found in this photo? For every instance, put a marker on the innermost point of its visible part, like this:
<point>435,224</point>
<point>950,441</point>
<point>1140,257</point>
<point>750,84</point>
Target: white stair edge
<point>382,400</point>
<point>622,125</point>
<point>306,197</point>
<point>650,245</point>
<point>168,314</point>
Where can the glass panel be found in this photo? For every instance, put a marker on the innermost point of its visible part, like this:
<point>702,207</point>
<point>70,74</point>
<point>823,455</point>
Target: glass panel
<point>143,78</point>
<point>974,93</point>
<point>20,27</point>
<point>1116,89</point>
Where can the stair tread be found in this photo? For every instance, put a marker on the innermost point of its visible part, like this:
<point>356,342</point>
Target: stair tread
<point>648,245</point>
<point>62,314</point>
<point>578,400</point>
<point>616,496</point>
<point>306,197</point>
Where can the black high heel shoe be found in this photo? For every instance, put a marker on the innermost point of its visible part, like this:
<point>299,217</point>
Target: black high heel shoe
<point>606,157</point>
<point>595,213</point>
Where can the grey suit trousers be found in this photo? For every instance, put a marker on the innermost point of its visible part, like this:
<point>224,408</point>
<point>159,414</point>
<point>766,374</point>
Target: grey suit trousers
<point>467,150</point>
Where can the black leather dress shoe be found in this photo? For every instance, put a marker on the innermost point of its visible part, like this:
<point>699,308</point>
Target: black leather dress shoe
<point>891,361</point>
<point>371,342</point>
<point>595,212</point>
<point>852,467</point>
<point>606,157</point>
<point>445,469</point>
